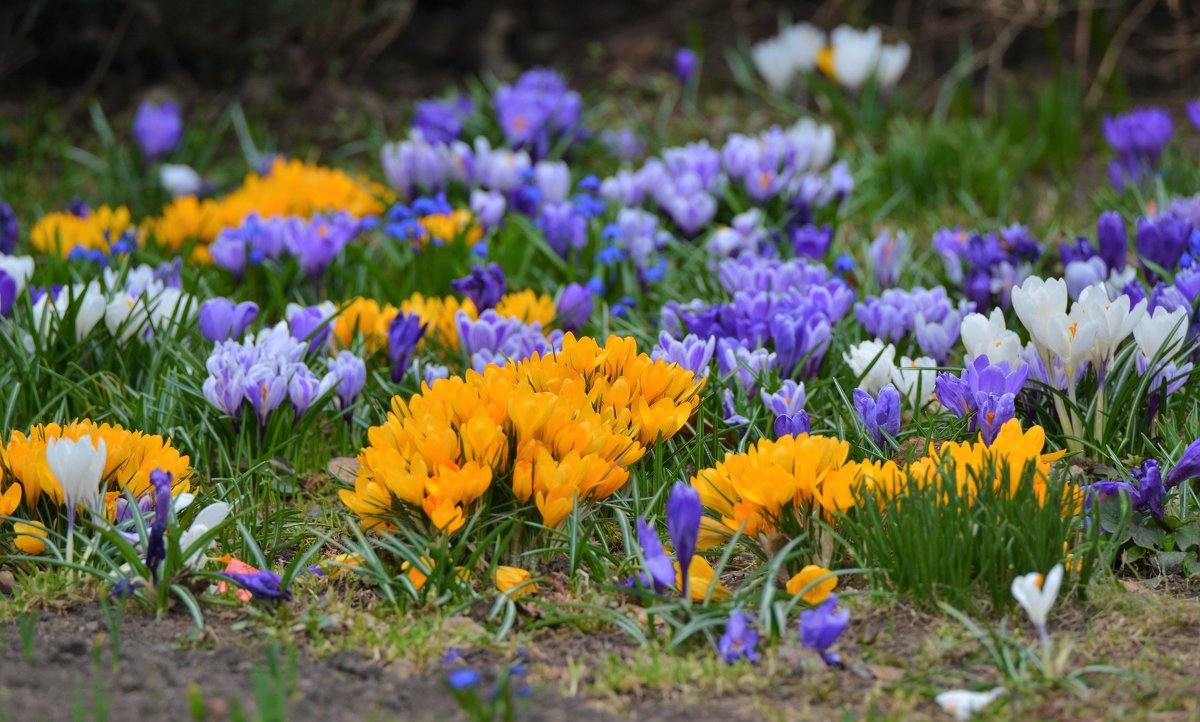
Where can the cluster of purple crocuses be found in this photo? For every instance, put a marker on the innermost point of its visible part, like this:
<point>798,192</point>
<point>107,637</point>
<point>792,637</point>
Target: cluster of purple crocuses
<point>313,242</point>
<point>988,265</point>
<point>495,339</point>
<point>985,392</point>
<point>265,369</point>
<point>820,628</point>
<point>896,313</point>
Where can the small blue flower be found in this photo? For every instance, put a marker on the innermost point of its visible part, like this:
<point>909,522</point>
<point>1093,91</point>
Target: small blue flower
<point>462,678</point>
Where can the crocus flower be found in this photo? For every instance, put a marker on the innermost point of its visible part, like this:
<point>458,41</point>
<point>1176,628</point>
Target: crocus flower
<point>686,65</point>
<point>553,180</point>
<point>264,585</point>
<point>312,324</point>
<point>1115,319</point>
<point>563,226</point>
<point>156,550</point>
<point>441,121</point>
<point>209,518</point>
<point>78,467</point>
<point>888,251</point>
<point>303,388</point>
<point>10,231</point>
<point>180,180</point>
<point>810,241</point>
<point>157,128</point>
<point>347,375</point>
<point>806,581</point>
<point>787,400</point>
<point>1138,138</point>
<point>404,333</point>
<point>222,319</point>
<point>872,363</point>
<point>1036,595</point>
<point>1188,466</point>
<point>880,414</point>
<point>821,626</point>
<point>574,307</point>
<point>1148,494</point>
<point>1162,240</point>
<point>265,388</point>
<point>683,524</point>
<point>1160,334</point>
<point>1112,240</point>
<point>963,703</point>
<point>740,640</point>
<point>793,425</point>
<point>659,566</point>
<point>484,286</point>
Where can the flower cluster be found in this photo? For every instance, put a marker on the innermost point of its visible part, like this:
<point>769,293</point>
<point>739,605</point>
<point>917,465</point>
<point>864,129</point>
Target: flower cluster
<point>849,56</point>
<point>561,428</point>
<point>95,229</point>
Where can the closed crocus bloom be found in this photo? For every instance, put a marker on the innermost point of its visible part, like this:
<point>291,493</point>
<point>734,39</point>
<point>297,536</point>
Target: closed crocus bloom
<point>1036,595</point>
<point>180,180</point>
<point>1187,468</point>
<point>915,379</point>
<point>964,704</point>
<point>209,518</point>
<point>78,467</point>
<point>1161,333</point>
<point>855,55</point>
<point>773,60</point>
<point>574,307</point>
<point>1038,300</point>
<point>404,333</point>
<point>989,336</point>
<point>893,60</point>
<point>514,581</point>
<point>30,539</point>
<point>686,65</point>
<point>683,523</point>
<point>485,286</point>
<point>553,179</point>
<point>1112,240</point>
<point>872,363</point>
<point>10,231</point>
<point>660,570</point>
<point>1162,240</point>
<point>805,581</point>
<point>347,375</point>
<point>303,389</point>
<point>157,128</point>
<point>18,268</point>
<point>793,425</point>
<point>821,626</point>
<point>488,207</point>
<point>90,309</point>
<point>879,415</point>
<point>1081,274</point>
<point>222,319</point>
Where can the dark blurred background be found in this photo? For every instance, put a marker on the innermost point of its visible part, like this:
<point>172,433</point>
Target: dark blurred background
<point>303,49</point>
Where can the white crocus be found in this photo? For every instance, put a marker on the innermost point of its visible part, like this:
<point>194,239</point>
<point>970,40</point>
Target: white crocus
<point>964,704</point>
<point>171,307</point>
<point>78,467</point>
<point>855,54</point>
<point>915,380</point>
<point>90,310</point>
<point>18,268</point>
<point>873,361</point>
<point>1035,302</point>
<point>180,180</point>
<point>125,315</point>
<point>1161,333</point>
<point>893,60</point>
<point>773,59</point>
<point>1036,595</point>
<point>989,336</point>
<point>803,41</point>
<point>1114,317</point>
<point>208,519</point>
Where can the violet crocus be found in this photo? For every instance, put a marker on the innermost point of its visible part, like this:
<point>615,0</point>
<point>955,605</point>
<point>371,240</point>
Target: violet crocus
<point>485,286</point>
<point>1147,493</point>
<point>740,640</point>
<point>935,338</point>
<point>157,128</point>
<point>1138,138</point>
<point>994,412</point>
<point>222,319</point>
<point>265,585</point>
<point>563,226</point>
<point>821,626</point>
<point>156,550</point>
<point>553,180</point>
<point>691,352</point>
<point>313,325</point>
<point>787,400</point>
<point>745,365</point>
<point>984,391</point>
<point>880,414</point>
<point>683,525</point>
<point>347,375</point>
<point>793,425</point>
<point>404,333</point>
<point>1188,466</point>
<point>304,388</point>
<point>1162,240</point>
<point>660,570</point>
<point>1112,240</point>
<point>8,292</point>
<point>10,231</point>
<point>265,388</point>
<point>889,251</point>
<point>574,308</point>
<point>686,65</point>
<point>488,207</point>
<point>809,241</point>
<point>441,121</point>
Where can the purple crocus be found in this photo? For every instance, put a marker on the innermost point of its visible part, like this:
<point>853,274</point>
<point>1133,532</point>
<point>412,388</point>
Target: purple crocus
<point>686,65</point>
<point>692,352</point>
<point>787,400</point>
<point>1148,493</point>
<point>574,307</point>
<point>1162,240</point>
<point>935,338</point>
<point>683,525</point>
<point>265,388</point>
<point>404,333</point>
<point>740,640</point>
<point>985,391</point>
<point>1188,466</point>
<point>888,251</point>
<point>347,375</point>
<point>553,180</point>
<point>303,389</point>
<point>484,286</point>
<point>1112,240</point>
<point>1081,274</point>
<point>660,568</point>
<point>563,226</point>
<point>157,128</point>
<point>312,324</point>
<point>879,414</point>
<point>156,550</point>
<point>222,319</point>
<point>8,293</point>
<point>264,585</point>
<point>488,207</point>
<point>821,626</point>
<point>9,229</point>
<point>747,366</point>
<point>1138,138</point>
<point>809,241</point>
<point>441,121</point>
<point>792,425</point>
<point>995,410</point>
